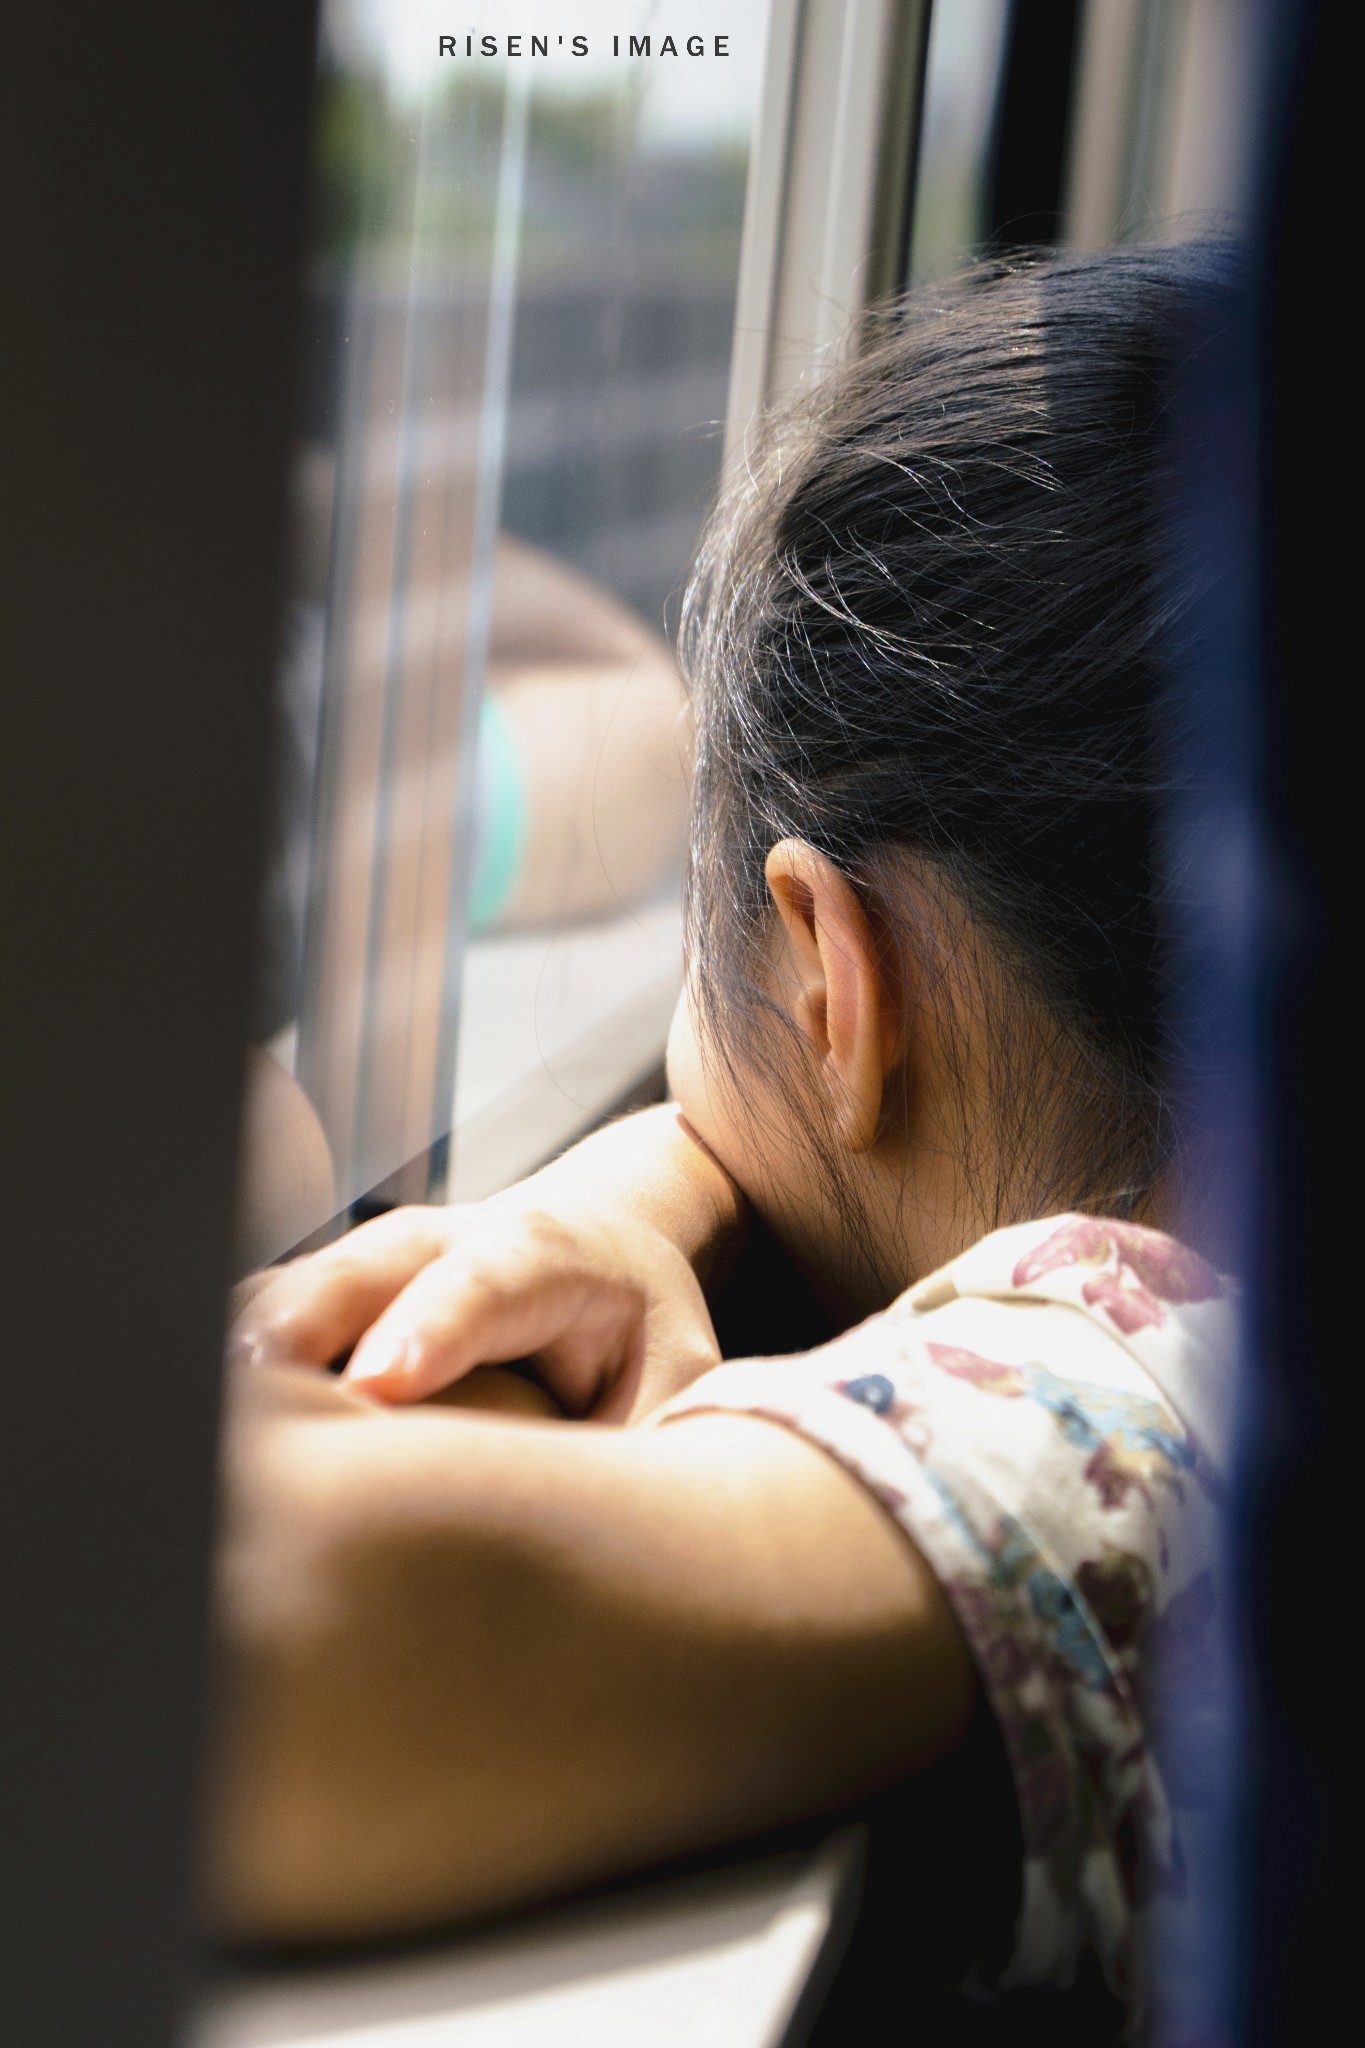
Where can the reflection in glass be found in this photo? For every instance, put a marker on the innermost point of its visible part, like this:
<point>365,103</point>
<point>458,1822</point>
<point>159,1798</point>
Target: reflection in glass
<point>629,255</point>
<point>519,301</point>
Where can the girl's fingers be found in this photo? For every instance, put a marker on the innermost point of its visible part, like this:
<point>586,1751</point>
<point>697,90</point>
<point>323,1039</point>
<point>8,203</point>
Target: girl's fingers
<point>313,1310</point>
<point>421,1297</point>
<point>491,1298</point>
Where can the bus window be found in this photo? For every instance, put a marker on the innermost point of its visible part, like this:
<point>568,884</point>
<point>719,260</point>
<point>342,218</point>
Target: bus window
<point>520,299</point>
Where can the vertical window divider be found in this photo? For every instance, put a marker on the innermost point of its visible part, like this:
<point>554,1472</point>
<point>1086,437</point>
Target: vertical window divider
<point>487,510</point>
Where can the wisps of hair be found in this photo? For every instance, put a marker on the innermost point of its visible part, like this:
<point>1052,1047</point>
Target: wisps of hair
<point>932,622</point>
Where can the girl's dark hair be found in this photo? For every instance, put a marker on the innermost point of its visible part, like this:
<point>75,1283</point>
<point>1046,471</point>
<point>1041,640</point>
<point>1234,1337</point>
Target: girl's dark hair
<point>927,632</point>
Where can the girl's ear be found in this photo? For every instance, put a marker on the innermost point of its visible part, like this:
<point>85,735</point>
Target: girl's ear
<point>831,980</point>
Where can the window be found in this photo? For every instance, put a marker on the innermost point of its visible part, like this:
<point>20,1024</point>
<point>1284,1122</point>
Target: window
<point>520,301</point>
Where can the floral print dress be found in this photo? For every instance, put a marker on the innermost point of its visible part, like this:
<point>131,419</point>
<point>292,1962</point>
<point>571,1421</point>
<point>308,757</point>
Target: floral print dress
<point>1046,1417</point>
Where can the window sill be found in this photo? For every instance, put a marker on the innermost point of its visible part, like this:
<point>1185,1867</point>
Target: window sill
<point>720,1958</point>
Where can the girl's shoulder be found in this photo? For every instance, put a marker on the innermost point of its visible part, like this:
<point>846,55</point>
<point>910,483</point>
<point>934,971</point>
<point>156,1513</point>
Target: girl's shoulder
<point>1086,1319</point>
<point>1046,1417</point>
<point>1145,1308</point>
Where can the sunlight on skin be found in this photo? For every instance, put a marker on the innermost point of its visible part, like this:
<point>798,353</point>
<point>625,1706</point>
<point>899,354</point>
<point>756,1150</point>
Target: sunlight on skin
<point>475,1661</point>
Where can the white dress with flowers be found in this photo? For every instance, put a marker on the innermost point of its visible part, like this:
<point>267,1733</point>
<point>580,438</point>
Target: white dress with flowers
<point>1046,1419</point>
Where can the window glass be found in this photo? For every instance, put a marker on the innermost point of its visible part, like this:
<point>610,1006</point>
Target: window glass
<point>519,305</point>
<point>963,70</point>
<point>628,261</point>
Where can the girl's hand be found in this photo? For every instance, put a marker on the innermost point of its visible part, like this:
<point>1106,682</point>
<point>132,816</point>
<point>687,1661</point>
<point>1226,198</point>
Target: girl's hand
<point>589,1269</point>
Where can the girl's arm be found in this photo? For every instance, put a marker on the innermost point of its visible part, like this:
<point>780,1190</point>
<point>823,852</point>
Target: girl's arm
<point>475,1661</point>
<point>595,1267</point>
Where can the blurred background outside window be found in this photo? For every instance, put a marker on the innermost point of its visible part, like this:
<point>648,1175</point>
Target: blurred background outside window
<point>519,305</point>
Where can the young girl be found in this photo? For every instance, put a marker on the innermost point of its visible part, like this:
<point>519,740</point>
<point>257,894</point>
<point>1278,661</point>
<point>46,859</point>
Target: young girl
<point>479,1657</point>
